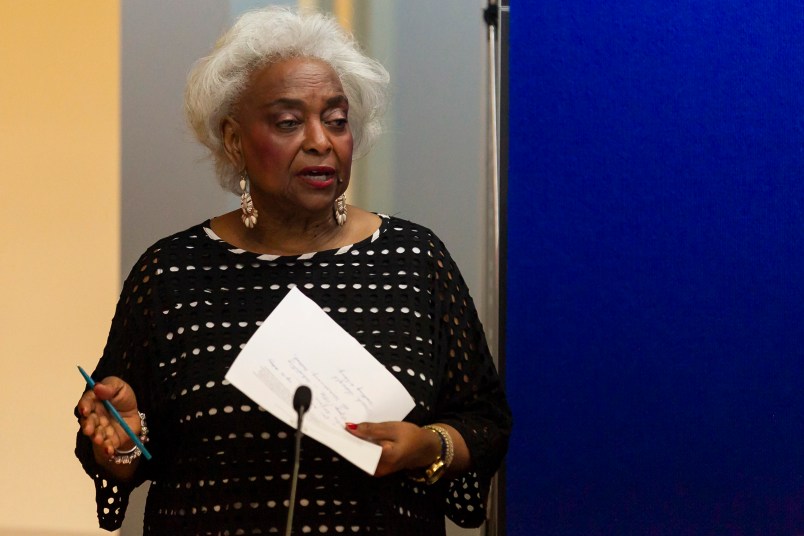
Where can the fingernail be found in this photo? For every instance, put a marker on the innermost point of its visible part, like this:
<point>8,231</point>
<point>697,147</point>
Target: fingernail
<point>351,426</point>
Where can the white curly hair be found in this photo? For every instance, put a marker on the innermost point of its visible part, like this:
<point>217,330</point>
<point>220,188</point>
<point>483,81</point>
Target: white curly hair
<point>273,34</point>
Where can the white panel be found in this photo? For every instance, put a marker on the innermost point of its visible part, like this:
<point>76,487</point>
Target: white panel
<point>168,184</point>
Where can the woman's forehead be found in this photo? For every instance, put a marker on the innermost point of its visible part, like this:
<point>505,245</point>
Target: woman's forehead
<point>295,77</point>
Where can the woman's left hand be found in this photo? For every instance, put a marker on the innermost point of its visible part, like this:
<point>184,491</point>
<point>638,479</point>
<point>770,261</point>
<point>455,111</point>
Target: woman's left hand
<point>404,445</point>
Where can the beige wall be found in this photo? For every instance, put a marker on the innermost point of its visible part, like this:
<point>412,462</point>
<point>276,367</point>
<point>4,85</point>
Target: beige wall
<point>59,220</point>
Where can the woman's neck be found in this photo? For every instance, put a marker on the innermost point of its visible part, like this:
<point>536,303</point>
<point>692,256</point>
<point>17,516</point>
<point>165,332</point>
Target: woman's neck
<point>297,236</point>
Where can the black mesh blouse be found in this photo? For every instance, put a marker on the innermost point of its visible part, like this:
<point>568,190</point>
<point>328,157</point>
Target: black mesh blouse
<point>221,464</point>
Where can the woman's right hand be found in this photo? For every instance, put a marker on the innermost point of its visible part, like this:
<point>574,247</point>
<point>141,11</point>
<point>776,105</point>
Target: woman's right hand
<point>100,426</point>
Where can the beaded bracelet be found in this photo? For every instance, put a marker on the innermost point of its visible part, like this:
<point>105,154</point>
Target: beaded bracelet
<point>447,447</point>
<point>126,457</point>
<point>431,474</point>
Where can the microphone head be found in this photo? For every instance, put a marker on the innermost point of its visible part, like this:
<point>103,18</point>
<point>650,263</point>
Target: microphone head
<point>302,398</point>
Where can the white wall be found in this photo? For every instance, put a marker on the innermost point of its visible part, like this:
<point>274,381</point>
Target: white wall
<point>167,184</point>
<point>431,166</point>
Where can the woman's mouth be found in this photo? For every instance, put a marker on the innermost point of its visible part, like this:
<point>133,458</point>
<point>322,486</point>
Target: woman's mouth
<point>318,176</point>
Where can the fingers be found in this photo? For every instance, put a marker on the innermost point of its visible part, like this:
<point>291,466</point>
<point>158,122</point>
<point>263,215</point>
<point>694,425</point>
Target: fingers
<point>101,432</point>
<point>371,431</point>
<point>383,435</point>
<point>96,423</point>
<point>82,409</point>
<point>116,391</point>
<point>106,389</point>
<point>404,445</point>
<point>89,408</point>
<point>383,431</point>
<point>113,389</point>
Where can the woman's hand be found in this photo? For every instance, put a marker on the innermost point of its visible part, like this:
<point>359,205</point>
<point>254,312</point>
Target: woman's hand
<point>404,445</point>
<point>100,426</point>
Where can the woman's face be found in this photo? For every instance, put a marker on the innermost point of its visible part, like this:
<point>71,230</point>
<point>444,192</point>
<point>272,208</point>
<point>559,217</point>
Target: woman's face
<point>290,129</point>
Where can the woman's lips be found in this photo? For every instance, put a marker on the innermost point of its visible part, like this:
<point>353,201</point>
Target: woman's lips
<point>318,176</point>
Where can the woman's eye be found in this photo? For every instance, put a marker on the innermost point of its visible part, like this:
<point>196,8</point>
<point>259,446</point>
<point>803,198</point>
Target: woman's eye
<point>338,123</point>
<point>287,123</point>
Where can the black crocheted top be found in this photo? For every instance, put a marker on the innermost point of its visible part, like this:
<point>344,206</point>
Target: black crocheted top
<point>221,464</point>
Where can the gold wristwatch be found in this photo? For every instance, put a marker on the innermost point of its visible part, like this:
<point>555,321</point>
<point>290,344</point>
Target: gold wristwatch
<point>434,471</point>
<point>430,474</point>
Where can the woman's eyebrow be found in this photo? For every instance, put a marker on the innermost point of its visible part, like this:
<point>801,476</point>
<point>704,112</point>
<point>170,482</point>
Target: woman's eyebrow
<point>285,102</point>
<point>337,100</point>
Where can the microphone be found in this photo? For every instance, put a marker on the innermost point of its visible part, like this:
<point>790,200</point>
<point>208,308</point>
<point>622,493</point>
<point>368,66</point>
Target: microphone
<point>302,399</point>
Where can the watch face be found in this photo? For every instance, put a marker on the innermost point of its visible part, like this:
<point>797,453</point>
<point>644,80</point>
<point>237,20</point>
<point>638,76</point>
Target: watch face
<point>435,471</point>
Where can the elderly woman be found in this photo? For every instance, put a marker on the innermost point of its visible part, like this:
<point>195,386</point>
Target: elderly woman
<point>283,102</point>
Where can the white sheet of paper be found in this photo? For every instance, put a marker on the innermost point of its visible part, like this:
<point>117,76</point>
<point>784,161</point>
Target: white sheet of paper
<point>299,344</point>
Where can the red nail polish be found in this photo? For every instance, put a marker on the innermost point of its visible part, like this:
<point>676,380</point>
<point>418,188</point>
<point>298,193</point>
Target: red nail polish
<point>351,426</point>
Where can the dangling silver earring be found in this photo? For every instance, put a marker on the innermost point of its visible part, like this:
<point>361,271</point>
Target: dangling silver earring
<point>340,210</point>
<point>249,215</point>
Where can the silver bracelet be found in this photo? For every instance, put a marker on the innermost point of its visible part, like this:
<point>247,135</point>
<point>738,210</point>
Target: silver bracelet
<point>126,457</point>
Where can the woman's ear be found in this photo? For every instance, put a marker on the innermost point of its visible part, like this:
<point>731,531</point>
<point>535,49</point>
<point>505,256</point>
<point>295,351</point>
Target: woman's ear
<point>231,142</point>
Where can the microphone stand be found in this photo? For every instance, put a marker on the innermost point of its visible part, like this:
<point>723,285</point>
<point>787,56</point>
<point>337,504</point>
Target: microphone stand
<point>301,401</point>
<point>491,15</point>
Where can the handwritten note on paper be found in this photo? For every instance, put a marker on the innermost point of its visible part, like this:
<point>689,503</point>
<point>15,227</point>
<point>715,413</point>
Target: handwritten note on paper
<point>299,344</point>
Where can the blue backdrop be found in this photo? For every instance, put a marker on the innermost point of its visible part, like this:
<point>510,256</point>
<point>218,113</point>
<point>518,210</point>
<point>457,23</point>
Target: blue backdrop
<point>655,304</point>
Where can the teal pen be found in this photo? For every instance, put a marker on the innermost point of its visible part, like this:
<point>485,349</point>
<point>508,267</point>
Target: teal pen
<point>118,418</point>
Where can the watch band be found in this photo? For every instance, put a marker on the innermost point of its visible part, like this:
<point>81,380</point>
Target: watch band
<point>433,472</point>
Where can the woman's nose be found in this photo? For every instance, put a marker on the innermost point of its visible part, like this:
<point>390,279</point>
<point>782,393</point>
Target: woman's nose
<point>315,138</point>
